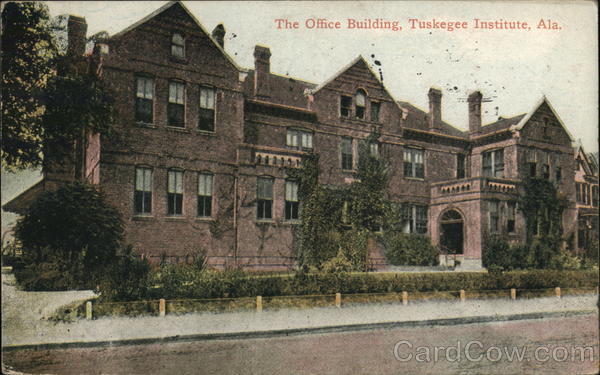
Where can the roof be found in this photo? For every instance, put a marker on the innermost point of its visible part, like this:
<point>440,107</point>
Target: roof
<point>416,118</point>
<point>283,89</point>
<point>186,10</point>
<point>501,124</point>
<point>21,202</point>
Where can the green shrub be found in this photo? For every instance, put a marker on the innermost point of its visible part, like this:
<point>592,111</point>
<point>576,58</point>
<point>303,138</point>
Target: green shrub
<point>338,264</point>
<point>409,249</point>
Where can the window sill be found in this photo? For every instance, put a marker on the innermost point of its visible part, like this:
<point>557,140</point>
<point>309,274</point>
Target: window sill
<point>177,129</point>
<point>265,221</point>
<point>349,171</point>
<point>175,218</point>
<point>180,60</point>
<point>414,178</point>
<point>141,217</point>
<point>142,124</point>
<point>204,219</point>
<point>206,132</point>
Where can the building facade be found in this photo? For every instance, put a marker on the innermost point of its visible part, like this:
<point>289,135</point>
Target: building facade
<point>203,149</point>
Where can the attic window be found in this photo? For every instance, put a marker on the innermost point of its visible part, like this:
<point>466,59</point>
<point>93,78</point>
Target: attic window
<point>361,99</point>
<point>345,106</point>
<point>178,45</point>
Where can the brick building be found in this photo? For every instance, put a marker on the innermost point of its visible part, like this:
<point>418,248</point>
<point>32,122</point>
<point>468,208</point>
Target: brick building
<point>204,145</point>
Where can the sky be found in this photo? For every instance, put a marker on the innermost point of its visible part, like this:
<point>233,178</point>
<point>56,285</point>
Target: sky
<point>512,68</point>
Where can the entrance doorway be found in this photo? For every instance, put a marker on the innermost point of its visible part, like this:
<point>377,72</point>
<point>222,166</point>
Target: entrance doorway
<point>451,232</point>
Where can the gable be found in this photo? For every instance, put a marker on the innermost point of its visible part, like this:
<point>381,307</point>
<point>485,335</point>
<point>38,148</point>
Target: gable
<point>357,75</point>
<point>544,125</point>
<point>155,31</point>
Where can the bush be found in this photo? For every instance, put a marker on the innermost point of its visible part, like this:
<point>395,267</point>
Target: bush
<point>409,249</point>
<point>74,224</point>
<point>338,264</point>
<point>497,254</point>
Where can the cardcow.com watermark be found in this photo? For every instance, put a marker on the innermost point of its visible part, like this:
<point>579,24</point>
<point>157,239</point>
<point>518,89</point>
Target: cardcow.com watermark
<point>476,351</point>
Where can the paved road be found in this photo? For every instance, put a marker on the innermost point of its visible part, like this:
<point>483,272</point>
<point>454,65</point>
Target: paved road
<point>545,341</point>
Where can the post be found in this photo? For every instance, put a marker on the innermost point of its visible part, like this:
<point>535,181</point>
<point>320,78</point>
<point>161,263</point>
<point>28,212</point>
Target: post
<point>557,291</point>
<point>338,300</point>
<point>161,307</point>
<point>88,310</point>
<point>405,298</point>
<point>513,294</point>
<point>462,295</point>
<point>258,303</point>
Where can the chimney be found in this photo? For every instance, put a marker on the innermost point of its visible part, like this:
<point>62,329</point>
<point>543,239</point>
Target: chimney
<point>474,112</point>
<point>262,70</point>
<point>218,34</point>
<point>76,31</point>
<point>435,108</point>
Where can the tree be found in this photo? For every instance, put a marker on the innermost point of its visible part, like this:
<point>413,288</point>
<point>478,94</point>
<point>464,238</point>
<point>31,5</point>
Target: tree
<point>73,223</point>
<point>28,57</point>
<point>370,206</point>
<point>44,113</point>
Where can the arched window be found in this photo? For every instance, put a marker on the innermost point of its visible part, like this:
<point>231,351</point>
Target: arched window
<point>178,45</point>
<point>360,103</point>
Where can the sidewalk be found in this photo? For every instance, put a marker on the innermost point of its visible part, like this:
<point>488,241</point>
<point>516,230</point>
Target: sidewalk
<point>22,330</point>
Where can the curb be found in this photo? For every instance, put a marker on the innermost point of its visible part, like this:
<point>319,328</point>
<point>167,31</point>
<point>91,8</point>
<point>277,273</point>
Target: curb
<point>300,331</point>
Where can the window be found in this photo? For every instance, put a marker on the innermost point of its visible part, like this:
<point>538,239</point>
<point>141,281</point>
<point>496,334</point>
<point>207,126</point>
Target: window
<point>532,163</point>
<point>144,95</point>
<point>585,193</point>
<point>413,163</point>
<point>578,193</point>
<point>206,115</point>
<point>546,171</point>
<point>375,106</point>
<point>558,174</point>
<point>374,149</point>
<point>143,191</point>
<point>460,166</point>
<point>510,220</point>
<point>414,218</point>
<point>346,149</point>
<point>176,107</point>
<point>205,185</point>
<point>361,99</point>
<point>493,163</point>
<point>345,106</point>
<point>299,139</point>
<point>595,195</point>
<point>175,193</point>
<point>494,216</point>
<point>264,194</point>
<point>292,206</point>
<point>178,45</point>
<point>346,212</point>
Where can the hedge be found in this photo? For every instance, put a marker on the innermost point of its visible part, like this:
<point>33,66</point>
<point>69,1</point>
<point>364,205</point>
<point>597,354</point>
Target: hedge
<point>233,284</point>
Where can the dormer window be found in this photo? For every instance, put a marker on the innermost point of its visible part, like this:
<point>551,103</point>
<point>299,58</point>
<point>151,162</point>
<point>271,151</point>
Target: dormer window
<point>360,103</point>
<point>178,45</point>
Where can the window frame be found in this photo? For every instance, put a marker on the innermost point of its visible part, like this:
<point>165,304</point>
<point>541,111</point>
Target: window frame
<point>144,196</point>
<point>411,167</point>
<point>347,159</point>
<point>461,166</point>
<point>345,106</point>
<point>176,44</point>
<point>175,199</point>
<point>144,98</point>
<point>264,204</point>
<point>292,202</point>
<point>374,115</point>
<point>295,135</point>
<point>414,218</point>
<point>360,111</point>
<point>205,199</point>
<point>494,167</point>
<point>511,217</point>
<point>171,105</point>
<point>206,109</point>
<point>494,216</point>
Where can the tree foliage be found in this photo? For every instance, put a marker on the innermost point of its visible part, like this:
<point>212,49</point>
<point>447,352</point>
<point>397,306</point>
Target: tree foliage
<point>73,223</point>
<point>41,110</point>
<point>28,55</point>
